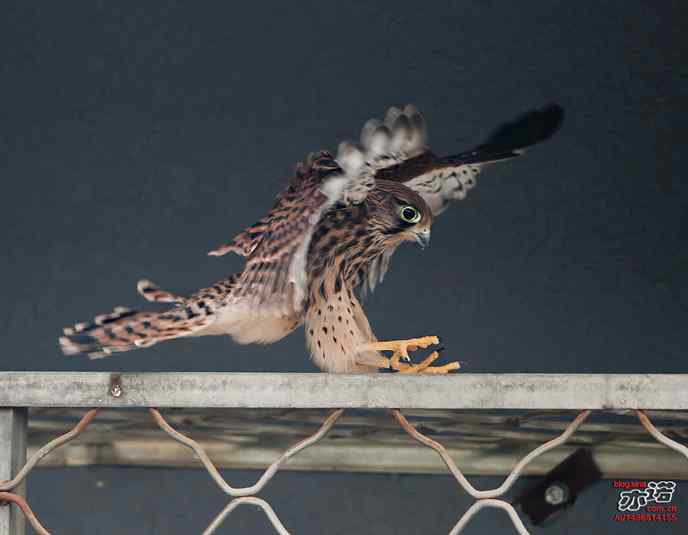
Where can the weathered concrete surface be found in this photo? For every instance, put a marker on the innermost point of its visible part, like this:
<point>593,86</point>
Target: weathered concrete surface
<point>321,390</point>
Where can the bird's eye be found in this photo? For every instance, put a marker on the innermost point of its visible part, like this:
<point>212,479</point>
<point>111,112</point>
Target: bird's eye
<point>409,214</point>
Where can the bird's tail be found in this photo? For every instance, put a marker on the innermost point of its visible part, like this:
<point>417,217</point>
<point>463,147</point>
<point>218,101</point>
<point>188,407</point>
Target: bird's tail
<point>125,329</point>
<point>511,139</point>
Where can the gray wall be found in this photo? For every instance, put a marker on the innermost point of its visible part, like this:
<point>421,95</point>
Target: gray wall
<point>135,137</point>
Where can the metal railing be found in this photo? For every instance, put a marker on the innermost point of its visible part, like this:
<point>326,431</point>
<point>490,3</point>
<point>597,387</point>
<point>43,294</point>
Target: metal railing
<point>127,390</point>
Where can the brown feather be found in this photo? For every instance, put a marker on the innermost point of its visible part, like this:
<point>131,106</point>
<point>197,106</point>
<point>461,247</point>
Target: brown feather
<point>125,329</point>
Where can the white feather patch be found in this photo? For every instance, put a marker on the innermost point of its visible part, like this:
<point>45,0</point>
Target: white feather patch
<point>334,188</point>
<point>438,188</point>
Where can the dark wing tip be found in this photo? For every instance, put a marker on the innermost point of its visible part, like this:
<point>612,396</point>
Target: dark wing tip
<point>79,344</point>
<point>528,129</point>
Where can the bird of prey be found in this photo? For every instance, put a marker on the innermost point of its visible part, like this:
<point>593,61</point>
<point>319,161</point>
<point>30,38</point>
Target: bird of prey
<point>333,229</point>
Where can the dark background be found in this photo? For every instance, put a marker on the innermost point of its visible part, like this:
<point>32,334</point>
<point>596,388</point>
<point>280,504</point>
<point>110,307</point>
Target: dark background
<point>136,137</point>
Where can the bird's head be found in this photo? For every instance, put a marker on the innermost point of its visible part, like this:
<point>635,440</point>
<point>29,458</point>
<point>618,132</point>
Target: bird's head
<point>399,214</point>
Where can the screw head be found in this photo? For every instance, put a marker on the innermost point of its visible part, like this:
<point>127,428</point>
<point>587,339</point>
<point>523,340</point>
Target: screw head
<point>116,385</point>
<point>557,493</point>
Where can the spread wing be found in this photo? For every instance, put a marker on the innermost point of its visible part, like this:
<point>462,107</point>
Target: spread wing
<point>396,149</point>
<point>273,281</point>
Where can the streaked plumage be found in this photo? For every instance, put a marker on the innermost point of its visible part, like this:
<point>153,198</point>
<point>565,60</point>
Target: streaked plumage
<point>335,227</point>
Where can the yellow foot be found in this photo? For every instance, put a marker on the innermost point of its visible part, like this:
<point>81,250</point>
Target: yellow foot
<point>400,349</point>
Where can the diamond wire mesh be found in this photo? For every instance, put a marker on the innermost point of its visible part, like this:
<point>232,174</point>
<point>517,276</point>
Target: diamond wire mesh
<point>247,495</point>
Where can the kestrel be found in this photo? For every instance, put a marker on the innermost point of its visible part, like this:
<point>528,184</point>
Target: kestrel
<point>332,230</point>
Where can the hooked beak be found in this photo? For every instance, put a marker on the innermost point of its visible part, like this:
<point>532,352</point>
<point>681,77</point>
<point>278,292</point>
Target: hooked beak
<point>423,238</point>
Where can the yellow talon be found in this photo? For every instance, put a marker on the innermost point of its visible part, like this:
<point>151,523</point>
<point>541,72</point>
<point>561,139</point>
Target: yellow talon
<point>401,348</point>
<point>422,366</point>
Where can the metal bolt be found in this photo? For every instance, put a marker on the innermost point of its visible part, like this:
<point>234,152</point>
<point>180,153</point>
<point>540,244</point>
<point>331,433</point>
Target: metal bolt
<point>116,385</point>
<point>557,493</point>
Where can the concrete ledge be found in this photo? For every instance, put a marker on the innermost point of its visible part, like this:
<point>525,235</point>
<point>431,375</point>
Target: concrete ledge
<point>321,390</point>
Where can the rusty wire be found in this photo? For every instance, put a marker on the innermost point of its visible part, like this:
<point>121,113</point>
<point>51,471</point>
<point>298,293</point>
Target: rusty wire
<point>251,500</point>
<point>658,435</point>
<point>511,478</point>
<point>271,470</point>
<point>50,446</point>
<point>7,486</point>
<point>496,504</point>
<point>485,498</point>
<point>246,495</point>
<point>20,501</point>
